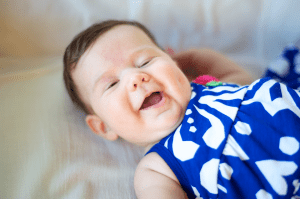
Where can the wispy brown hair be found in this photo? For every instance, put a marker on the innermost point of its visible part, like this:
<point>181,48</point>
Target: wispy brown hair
<point>78,47</point>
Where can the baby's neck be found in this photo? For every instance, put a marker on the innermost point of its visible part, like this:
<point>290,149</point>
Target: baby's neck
<point>147,148</point>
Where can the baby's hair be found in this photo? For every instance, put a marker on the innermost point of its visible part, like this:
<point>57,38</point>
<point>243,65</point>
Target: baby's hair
<point>78,47</point>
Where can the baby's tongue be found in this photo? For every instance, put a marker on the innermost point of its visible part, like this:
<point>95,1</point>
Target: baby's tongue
<point>154,98</point>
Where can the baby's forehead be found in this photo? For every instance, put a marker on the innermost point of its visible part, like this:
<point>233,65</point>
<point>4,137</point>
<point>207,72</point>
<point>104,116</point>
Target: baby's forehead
<point>116,47</point>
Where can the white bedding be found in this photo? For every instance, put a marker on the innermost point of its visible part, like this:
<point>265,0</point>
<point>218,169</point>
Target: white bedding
<point>47,151</point>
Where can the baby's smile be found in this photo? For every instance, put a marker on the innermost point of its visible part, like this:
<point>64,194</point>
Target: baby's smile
<point>153,101</point>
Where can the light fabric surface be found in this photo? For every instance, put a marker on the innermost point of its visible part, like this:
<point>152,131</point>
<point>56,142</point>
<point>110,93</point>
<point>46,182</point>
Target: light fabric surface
<point>46,149</point>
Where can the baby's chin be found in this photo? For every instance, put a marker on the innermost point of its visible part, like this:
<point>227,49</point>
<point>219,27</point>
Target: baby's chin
<point>172,127</point>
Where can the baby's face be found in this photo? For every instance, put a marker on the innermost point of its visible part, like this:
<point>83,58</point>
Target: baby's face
<point>135,89</point>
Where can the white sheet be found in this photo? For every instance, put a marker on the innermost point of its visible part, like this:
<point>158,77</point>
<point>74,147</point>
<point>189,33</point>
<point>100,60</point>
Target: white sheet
<point>46,149</point>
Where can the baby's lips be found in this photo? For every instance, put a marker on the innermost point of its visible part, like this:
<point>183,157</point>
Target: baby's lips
<point>148,95</point>
<point>145,97</point>
<point>151,100</point>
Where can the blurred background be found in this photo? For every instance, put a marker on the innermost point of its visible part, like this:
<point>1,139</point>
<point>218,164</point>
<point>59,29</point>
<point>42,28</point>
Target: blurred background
<point>46,150</point>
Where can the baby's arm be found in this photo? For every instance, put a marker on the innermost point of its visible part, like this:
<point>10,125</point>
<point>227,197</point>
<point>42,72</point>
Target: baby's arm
<point>197,62</point>
<point>154,179</point>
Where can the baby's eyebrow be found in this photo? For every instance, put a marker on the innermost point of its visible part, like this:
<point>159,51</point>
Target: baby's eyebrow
<point>100,80</point>
<point>132,55</point>
<point>140,50</point>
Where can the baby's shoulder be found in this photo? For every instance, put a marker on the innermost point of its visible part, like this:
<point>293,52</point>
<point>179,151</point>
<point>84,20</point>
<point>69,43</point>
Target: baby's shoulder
<point>154,162</point>
<point>154,179</point>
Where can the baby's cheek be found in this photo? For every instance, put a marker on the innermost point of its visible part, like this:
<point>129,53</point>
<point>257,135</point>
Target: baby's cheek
<point>181,79</point>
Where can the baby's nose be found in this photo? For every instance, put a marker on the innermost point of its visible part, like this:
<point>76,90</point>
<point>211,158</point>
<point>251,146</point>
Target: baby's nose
<point>137,80</point>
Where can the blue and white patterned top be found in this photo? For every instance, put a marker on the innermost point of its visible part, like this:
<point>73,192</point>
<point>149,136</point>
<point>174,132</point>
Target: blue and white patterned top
<point>237,142</point>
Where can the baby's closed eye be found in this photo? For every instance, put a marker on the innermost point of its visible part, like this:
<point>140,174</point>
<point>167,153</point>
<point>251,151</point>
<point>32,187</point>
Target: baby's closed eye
<point>112,84</point>
<point>147,61</point>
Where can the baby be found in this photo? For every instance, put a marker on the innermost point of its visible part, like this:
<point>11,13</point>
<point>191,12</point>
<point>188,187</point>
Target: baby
<point>201,141</point>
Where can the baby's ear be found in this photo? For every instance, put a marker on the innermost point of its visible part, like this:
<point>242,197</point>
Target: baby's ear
<point>100,128</point>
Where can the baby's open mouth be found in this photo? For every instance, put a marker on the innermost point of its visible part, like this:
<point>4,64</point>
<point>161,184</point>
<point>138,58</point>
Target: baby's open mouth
<point>151,100</point>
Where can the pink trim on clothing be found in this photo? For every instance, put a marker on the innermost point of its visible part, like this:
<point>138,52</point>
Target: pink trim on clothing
<point>204,79</point>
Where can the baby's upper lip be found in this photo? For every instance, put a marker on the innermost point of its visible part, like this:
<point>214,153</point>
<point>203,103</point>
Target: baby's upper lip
<point>147,95</point>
